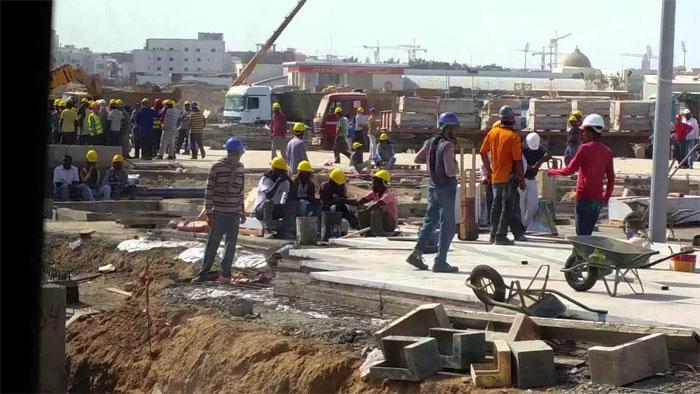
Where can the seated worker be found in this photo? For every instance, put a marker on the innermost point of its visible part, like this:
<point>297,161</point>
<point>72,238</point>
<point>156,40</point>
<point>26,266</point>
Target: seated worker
<point>334,196</point>
<point>118,180</point>
<point>385,153</point>
<point>90,176</point>
<point>357,165</point>
<point>382,210</point>
<point>272,201</point>
<point>534,155</point>
<point>303,191</point>
<point>66,182</point>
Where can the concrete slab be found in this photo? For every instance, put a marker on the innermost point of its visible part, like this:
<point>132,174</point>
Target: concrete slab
<point>629,362</point>
<point>110,206</point>
<point>533,364</point>
<point>82,216</point>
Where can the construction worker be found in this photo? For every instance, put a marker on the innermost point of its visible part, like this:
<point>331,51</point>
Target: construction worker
<point>439,155</point>
<point>54,122</point>
<point>303,191</point>
<point>94,124</point>
<point>197,124</point>
<point>357,164</point>
<point>573,140</point>
<point>90,176</point>
<point>296,149</point>
<point>224,210</point>
<point>374,122</point>
<point>272,205</point>
<point>385,157</point>
<point>278,132</point>
<point>501,153</point>
<point>68,124</point>
<point>144,118</point>
<point>534,155</point>
<point>169,135</point>
<point>83,129</point>
<point>334,196</point>
<point>157,125</point>
<point>124,133</point>
<point>103,113</point>
<point>118,180</point>
<point>692,138</point>
<point>340,144</point>
<point>382,212</point>
<point>66,182</point>
<point>183,131</point>
<point>361,126</point>
<point>593,161</point>
<point>115,117</point>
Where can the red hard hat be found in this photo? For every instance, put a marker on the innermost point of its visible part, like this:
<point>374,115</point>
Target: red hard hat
<point>158,101</point>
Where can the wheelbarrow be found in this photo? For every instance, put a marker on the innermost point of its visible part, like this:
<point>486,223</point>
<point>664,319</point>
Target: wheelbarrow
<point>595,257</point>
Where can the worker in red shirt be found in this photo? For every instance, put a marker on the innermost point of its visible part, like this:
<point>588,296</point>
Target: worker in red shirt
<point>593,161</point>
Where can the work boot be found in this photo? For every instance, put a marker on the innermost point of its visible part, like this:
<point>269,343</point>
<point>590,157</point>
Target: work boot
<point>198,279</point>
<point>503,241</point>
<point>224,280</point>
<point>521,238</point>
<point>492,238</point>
<point>159,157</point>
<point>444,267</point>
<point>416,261</point>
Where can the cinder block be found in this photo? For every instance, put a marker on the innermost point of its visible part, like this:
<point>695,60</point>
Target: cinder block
<point>496,374</point>
<point>523,329</point>
<point>629,362</point>
<point>52,339</point>
<point>416,323</point>
<point>407,358</point>
<point>534,364</point>
<point>459,348</point>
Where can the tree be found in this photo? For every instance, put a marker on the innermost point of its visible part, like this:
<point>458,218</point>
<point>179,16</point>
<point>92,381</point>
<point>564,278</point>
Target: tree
<point>616,82</point>
<point>597,80</point>
<point>351,59</point>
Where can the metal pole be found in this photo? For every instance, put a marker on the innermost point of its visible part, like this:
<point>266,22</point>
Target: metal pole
<point>662,120</point>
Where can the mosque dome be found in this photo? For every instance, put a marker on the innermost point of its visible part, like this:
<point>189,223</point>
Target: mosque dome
<point>576,59</point>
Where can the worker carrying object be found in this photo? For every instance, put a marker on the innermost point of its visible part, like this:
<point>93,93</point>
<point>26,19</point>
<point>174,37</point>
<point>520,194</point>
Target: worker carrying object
<point>439,155</point>
<point>381,211</point>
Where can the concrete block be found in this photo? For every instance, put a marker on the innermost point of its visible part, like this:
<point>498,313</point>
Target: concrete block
<point>459,348</point>
<point>417,322</point>
<point>533,364</point>
<point>52,339</point>
<point>81,216</point>
<point>523,329</point>
<point>629,362</point>
<point>496,374</point>
<point>407,358</point>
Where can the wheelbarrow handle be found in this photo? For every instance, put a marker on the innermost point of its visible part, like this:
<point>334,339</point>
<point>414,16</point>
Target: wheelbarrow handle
<point>653,263</point>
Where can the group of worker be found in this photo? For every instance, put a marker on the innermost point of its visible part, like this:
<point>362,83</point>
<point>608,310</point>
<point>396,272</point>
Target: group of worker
<point>157,131</point>
<point>363,134</point>
<point>685,138</point>
<point>87,184</point>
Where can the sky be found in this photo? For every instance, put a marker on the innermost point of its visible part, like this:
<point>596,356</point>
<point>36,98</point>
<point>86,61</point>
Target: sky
<point>480,32</point>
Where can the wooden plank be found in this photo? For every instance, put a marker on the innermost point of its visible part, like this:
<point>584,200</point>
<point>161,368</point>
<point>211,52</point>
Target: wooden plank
<point>118,291</point>
<point>419,105</point>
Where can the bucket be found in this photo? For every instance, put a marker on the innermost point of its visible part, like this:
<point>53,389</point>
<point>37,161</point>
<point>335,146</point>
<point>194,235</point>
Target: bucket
<point>330,225</point>
<point>638,150</point>
<point>683,263</point>
<point>307,230</point>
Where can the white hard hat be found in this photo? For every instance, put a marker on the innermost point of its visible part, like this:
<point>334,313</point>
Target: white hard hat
<point>533,141</point>
<point>594,121</point>
<point>686,111</point>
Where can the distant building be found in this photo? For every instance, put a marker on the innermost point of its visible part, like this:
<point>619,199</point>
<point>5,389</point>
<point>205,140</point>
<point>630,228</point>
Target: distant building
<point>164,56</point>
<point>681,84</point>
<point>313,76</point>
<point>76,57</point>
<point>576,65</point>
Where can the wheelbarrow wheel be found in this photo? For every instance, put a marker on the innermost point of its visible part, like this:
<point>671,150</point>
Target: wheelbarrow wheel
<point>582,278</point>
<point>488,284</point>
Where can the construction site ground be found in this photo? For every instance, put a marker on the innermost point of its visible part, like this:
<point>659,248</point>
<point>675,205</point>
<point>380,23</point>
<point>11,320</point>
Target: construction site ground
<point>200,343</point>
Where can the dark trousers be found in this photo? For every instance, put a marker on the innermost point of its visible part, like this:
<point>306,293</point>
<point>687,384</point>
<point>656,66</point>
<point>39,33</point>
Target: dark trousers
<point>342,208</point>
<point>505,210</point>
<point>196,143</point>
<point>279,217</point>
<point>137,143</point>
<point>83,139</point>
<point>340,146</point>
<point>155,147</point>
<point>146,140</point>
<point>377,219</point>
<point>68,138</point>
<point>221,225</point>
<point>587,212</point>
<point>181,140</point>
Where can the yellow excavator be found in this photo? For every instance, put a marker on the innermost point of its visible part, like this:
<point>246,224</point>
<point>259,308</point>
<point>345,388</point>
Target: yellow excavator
<point>68,74</point>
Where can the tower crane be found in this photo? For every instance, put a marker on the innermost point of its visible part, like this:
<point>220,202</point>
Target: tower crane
<point>685,51</point>
<point>376,50</point>
<point>543,53</point>
<point>646,58</point>
<point>554,49</point>
<point>412,49</point>
<point>526,50</point>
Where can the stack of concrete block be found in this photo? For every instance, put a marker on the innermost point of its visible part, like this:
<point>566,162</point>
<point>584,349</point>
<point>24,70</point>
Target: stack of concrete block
<point>545,115</point>
<point>465,109</point>
<point>489,112</point>
<point>600,107</point>
<point>631,115</point>
<point>423,112</point>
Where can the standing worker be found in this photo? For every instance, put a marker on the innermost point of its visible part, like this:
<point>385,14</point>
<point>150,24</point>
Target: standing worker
<point>68,123</point>
<point>168,138</point>
<point>197,124</point>
<point>593,161</point>
<point>82,127</point>
<point>183,124</point>
<point>361,126</point>
<point>340,145</point>
<point>534,156</point>
<point>504,170</point>
<point>573,140</point>
<point>116,117</point>
<point>224,210</point>
<point>94,123</point>
<point>374,122</point>
<point>54,120</point>
<point>439,155</point>
<point>144,120</point>
<point>126,129</point>
<point>157,126</point>
<point>278,132</point>
<point>103,113</point>
<point>692,138</point>
<point>296,150</point>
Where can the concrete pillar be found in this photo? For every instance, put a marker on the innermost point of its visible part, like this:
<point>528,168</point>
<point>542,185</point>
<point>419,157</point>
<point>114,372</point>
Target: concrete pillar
<point>52,339</point>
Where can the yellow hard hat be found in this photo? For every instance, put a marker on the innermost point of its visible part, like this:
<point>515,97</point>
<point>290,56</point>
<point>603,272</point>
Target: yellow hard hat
<point>84,100</point>
<point>119,102</point>
<point>384,137</point>
<point>57,102</point>
<point>298,126</point>
<point>62,103</point>
<point>577,113</point>
<point>117,159</point>
<point>276,106</point>
<point>112,101</point>
<point>279,163</point>
<point>361,110</point>
<point>338,110</point>
<point>91,156</point>
<point>573,118</point>
<point>337,176</point>
<point>305,166</point>
<point>383,174</point>
<point>93,104</point>
<point>356,145</point>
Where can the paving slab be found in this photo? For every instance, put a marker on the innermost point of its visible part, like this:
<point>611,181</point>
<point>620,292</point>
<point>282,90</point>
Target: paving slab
<point>533,364</point>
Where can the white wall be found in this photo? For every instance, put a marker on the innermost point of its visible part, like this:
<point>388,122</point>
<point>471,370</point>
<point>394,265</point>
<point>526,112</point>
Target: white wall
<point>154,79</point>
<point>188,56</point>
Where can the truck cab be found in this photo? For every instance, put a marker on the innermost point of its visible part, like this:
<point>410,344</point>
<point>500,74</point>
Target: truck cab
<point>324,122</point>
<point>248,105</point>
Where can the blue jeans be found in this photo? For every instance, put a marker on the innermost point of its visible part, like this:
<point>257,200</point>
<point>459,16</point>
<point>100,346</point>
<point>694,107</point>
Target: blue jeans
<point>441,209</point>
<point>587,212</point>
<point>569,153</point>
<point>308,208</point>
<point>220,225</point>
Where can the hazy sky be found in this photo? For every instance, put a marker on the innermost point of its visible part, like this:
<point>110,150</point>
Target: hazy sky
<point>488,31</point>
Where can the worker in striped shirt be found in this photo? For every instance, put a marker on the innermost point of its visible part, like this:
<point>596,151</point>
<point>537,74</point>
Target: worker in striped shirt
<point>197,123</point>
<point>224,210</point>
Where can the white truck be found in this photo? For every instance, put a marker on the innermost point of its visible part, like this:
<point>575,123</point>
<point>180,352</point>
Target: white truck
<point>248,105</point>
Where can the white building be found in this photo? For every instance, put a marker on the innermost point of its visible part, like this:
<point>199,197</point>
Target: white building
<point>77,57</point>
<point>680,84</point>
<point>163,56</point>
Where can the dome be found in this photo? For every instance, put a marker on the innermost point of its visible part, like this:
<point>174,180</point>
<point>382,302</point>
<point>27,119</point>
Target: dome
<point>576,59</point>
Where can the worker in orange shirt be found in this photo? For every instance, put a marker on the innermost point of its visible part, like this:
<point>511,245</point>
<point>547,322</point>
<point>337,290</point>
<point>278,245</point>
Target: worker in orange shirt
<point>504,170</point>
